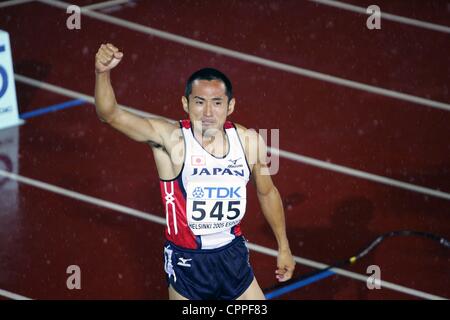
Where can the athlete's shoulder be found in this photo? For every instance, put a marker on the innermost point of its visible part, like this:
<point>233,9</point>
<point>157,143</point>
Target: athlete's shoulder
<point>168,130</point>
<point>164,124</point>
<point>245,134</point>
<point>239,126</point>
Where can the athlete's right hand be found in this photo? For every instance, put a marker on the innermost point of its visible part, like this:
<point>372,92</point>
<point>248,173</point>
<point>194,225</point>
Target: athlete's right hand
<point>107,57</point>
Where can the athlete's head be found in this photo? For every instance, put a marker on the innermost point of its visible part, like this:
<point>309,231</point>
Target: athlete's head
<point>208,99</point>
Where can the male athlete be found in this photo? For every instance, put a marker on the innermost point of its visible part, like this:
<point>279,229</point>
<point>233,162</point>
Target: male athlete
<point>204,164</point>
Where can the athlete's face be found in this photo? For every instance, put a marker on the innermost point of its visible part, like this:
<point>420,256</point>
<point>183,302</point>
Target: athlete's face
<point>208,106</point>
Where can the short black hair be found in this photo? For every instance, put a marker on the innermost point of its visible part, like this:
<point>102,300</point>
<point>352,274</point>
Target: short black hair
<point>209,74</point>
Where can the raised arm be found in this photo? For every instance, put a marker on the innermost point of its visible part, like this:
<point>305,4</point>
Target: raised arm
<point>135,127</point>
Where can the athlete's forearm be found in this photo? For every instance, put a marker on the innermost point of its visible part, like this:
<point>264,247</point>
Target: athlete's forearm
<point>105,100</point>
<point>272,208</point>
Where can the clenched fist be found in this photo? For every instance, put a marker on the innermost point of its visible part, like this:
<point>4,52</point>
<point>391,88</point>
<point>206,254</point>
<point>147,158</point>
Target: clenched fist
<point>107,57</point>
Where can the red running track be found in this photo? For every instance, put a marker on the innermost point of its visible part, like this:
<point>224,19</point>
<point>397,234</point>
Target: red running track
<point>329,215</point>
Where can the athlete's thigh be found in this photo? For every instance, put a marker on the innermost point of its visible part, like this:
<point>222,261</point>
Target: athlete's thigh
<point>173,295</point>
<point>253,292</point>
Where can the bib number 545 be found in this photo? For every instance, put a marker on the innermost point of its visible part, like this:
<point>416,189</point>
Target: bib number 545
<point>216,211</point>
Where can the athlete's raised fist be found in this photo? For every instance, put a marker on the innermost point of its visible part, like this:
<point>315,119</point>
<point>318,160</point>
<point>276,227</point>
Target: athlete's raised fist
<point>107,57</point>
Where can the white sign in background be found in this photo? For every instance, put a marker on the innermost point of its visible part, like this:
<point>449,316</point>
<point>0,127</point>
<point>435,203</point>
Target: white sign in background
<point>9,150</point>
<point>10,217</point>
<point>9,113</point>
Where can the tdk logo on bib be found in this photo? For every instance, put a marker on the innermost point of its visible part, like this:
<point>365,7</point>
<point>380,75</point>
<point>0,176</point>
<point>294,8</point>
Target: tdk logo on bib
<point>216,192</point>
<point>198,192</point>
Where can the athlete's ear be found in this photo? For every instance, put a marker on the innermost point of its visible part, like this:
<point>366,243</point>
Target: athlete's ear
<point>185,103</point>
<point>231,106</point>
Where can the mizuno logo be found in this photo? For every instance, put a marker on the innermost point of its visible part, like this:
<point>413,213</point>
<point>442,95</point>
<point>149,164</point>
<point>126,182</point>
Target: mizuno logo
<point>234,161</point>
<point>183,262</point>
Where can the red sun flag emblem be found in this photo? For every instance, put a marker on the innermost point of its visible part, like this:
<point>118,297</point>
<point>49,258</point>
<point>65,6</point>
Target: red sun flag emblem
<point>198,160</point>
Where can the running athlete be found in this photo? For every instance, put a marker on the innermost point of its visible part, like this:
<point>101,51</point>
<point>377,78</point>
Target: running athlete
<point>204,164</point>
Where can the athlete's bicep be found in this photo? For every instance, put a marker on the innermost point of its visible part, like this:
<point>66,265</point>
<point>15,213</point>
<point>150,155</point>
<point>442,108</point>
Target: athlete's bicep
<point>138,128</point>
<point>261,173</point>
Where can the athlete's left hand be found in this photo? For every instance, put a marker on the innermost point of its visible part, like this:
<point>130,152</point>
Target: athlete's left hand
<point>285,265</point>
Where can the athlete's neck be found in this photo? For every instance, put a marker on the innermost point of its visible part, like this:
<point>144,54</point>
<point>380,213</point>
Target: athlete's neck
<point>216,144</point>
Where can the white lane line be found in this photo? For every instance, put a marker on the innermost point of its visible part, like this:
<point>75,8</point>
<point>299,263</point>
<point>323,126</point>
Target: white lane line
<point>386,15</point>
<point>157,219</point>
<point>348,274</point>
<point>284,154</point>
<point>12,295</point>
<point>77,95</point>
<point>84,198</point>
<point>105,4</point>
<point>360,174</point>
<point>13,3</point>
<point>257,60</point>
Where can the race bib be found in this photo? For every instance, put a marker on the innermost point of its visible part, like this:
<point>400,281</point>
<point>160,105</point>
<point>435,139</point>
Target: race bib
<point>215,207</point>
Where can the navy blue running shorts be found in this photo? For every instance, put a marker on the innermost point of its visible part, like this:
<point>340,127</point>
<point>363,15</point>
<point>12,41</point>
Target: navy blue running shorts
<point>210,274</point>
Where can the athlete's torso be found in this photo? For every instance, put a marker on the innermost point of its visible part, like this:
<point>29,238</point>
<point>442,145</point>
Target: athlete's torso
<point>206,202</point>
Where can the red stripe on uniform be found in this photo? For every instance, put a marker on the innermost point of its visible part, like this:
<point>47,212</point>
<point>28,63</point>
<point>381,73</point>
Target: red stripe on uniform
<point>228,125</point>
<point>186,124</point>
<point>237,230</point>
<point>174,204</point>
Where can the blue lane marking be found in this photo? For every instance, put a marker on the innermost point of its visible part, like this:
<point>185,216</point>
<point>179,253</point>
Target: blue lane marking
<point>56,107</point>
<point>298,284</point>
